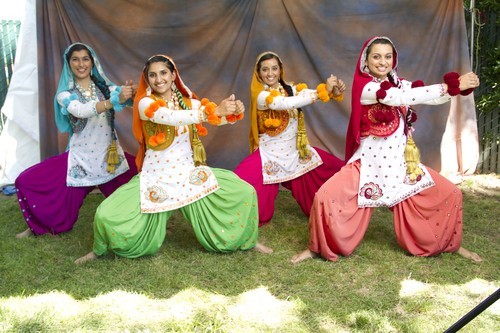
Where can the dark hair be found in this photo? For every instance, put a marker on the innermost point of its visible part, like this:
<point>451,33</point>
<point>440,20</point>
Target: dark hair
<point>78,47</point>
<point>158,58</point>
<point>378,41</point>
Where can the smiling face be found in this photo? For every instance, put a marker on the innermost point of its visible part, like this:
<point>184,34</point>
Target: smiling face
<point>269,72</point>
<point>380,60</point>
<point>81,64</point>
<point>160,79</point>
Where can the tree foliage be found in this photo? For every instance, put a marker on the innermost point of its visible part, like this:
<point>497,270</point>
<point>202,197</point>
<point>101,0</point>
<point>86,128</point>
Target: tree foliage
<point>486,18</point>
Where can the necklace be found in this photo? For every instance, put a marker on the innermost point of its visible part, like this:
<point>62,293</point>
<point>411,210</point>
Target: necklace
<point>88,93</point>
<point>174,100</point>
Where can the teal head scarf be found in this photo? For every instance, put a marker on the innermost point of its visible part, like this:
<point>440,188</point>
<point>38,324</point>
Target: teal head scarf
<point>67,82</point>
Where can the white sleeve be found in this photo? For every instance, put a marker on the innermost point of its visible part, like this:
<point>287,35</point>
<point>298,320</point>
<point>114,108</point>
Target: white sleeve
<point>406,95</point>
<point>77,108</point>
<point>171,117</point>
<point>305,97</point>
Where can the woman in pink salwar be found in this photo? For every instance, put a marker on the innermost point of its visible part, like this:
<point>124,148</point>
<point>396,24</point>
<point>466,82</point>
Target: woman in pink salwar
<point>383,168</point>
<point>280,151</point>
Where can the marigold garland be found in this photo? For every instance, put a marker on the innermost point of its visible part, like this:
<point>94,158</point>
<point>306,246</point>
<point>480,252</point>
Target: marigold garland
<point>338,98</point>
<point>300,86</point>
<point>232,118</point>
<point>272,94</point>
<point>212,118</point>
<point>153,107</point>
<point>323,95</point>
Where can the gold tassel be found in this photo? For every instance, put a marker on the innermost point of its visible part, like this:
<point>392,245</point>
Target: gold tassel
<point>412,158</point>
<point>199,155</point>
<point>302,140</point>
<point>112,158</point>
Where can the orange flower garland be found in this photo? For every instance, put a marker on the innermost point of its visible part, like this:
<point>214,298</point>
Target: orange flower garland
<point>212,118</point>
<point>323,95</point>
<point>338,98</point>
<point>153,107</point>
<point>300,86</point>
<point>232,118</point>
<point>270,98</point>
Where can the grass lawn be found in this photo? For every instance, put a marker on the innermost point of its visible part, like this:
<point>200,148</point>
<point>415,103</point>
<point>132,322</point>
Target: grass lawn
<point>183,288</point>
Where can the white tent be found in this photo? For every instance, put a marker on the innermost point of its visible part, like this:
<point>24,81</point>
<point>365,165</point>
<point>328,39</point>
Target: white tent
<point>20,138</point>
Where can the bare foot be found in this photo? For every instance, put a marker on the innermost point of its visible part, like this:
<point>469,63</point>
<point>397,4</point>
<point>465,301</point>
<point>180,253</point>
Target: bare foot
<point>307,254</point>
<point>469,255</point>
<point>25,233</point>
<point>88,257</point>
<point>263,249</point>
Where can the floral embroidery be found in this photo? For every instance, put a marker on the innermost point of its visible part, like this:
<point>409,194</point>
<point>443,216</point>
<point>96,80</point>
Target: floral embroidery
<point>379,120</point>
<point>77,172</point>
<point>156,194</point>
<point>371,191</point>
<point>198,176</point>
<point>271,168</point>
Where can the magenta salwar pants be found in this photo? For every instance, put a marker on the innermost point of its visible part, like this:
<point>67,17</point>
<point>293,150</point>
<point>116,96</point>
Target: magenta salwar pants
<point>303,187</point>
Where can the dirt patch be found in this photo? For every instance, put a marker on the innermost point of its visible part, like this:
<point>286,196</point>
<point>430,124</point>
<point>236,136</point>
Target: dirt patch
<point>487,184</point>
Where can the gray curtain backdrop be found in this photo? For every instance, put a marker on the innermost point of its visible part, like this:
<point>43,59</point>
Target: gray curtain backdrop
<point>215,44</point>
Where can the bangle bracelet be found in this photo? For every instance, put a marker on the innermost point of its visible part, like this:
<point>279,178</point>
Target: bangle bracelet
<point>105,105</point>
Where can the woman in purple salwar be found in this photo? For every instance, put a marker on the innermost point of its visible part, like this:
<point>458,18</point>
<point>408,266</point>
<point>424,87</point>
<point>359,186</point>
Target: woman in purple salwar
<point>51,193</point>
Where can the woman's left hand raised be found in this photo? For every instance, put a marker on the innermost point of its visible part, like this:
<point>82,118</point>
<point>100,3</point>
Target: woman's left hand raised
<point>226,107</point>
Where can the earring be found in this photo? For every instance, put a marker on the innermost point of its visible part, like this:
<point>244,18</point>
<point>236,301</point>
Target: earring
<point>148,91</point>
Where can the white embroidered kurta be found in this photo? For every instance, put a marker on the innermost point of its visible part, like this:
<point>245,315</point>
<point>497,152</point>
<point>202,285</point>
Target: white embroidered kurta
<point>383,179</point>
<point>169,178</point>
<point>279,154</point>
<point>88,148</point>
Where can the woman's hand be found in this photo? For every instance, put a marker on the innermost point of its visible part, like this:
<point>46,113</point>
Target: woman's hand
<point>339,89</point>
<point>331,83</point>
<point>335,85</point>
<point>128,91</point>
<point>226,107</point>
<point>240,107</point>
<point>469,80</point>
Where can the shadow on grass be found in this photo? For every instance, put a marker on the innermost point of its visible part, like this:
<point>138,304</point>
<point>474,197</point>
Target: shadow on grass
<point>362,292</point>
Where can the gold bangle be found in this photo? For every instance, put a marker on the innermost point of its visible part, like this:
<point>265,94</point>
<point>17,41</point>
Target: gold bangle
<point>105,105</point>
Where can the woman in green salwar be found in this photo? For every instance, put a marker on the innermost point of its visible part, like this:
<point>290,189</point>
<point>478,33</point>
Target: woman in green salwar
<point>221,207</point>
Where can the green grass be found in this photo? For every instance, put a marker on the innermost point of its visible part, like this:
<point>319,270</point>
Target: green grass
<point>186,289</point>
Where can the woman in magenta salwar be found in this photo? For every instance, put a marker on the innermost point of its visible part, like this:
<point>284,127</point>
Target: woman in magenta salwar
<point>280,151</point>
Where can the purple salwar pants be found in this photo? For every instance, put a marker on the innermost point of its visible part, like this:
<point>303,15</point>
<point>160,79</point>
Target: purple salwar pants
<point>47,204</point>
